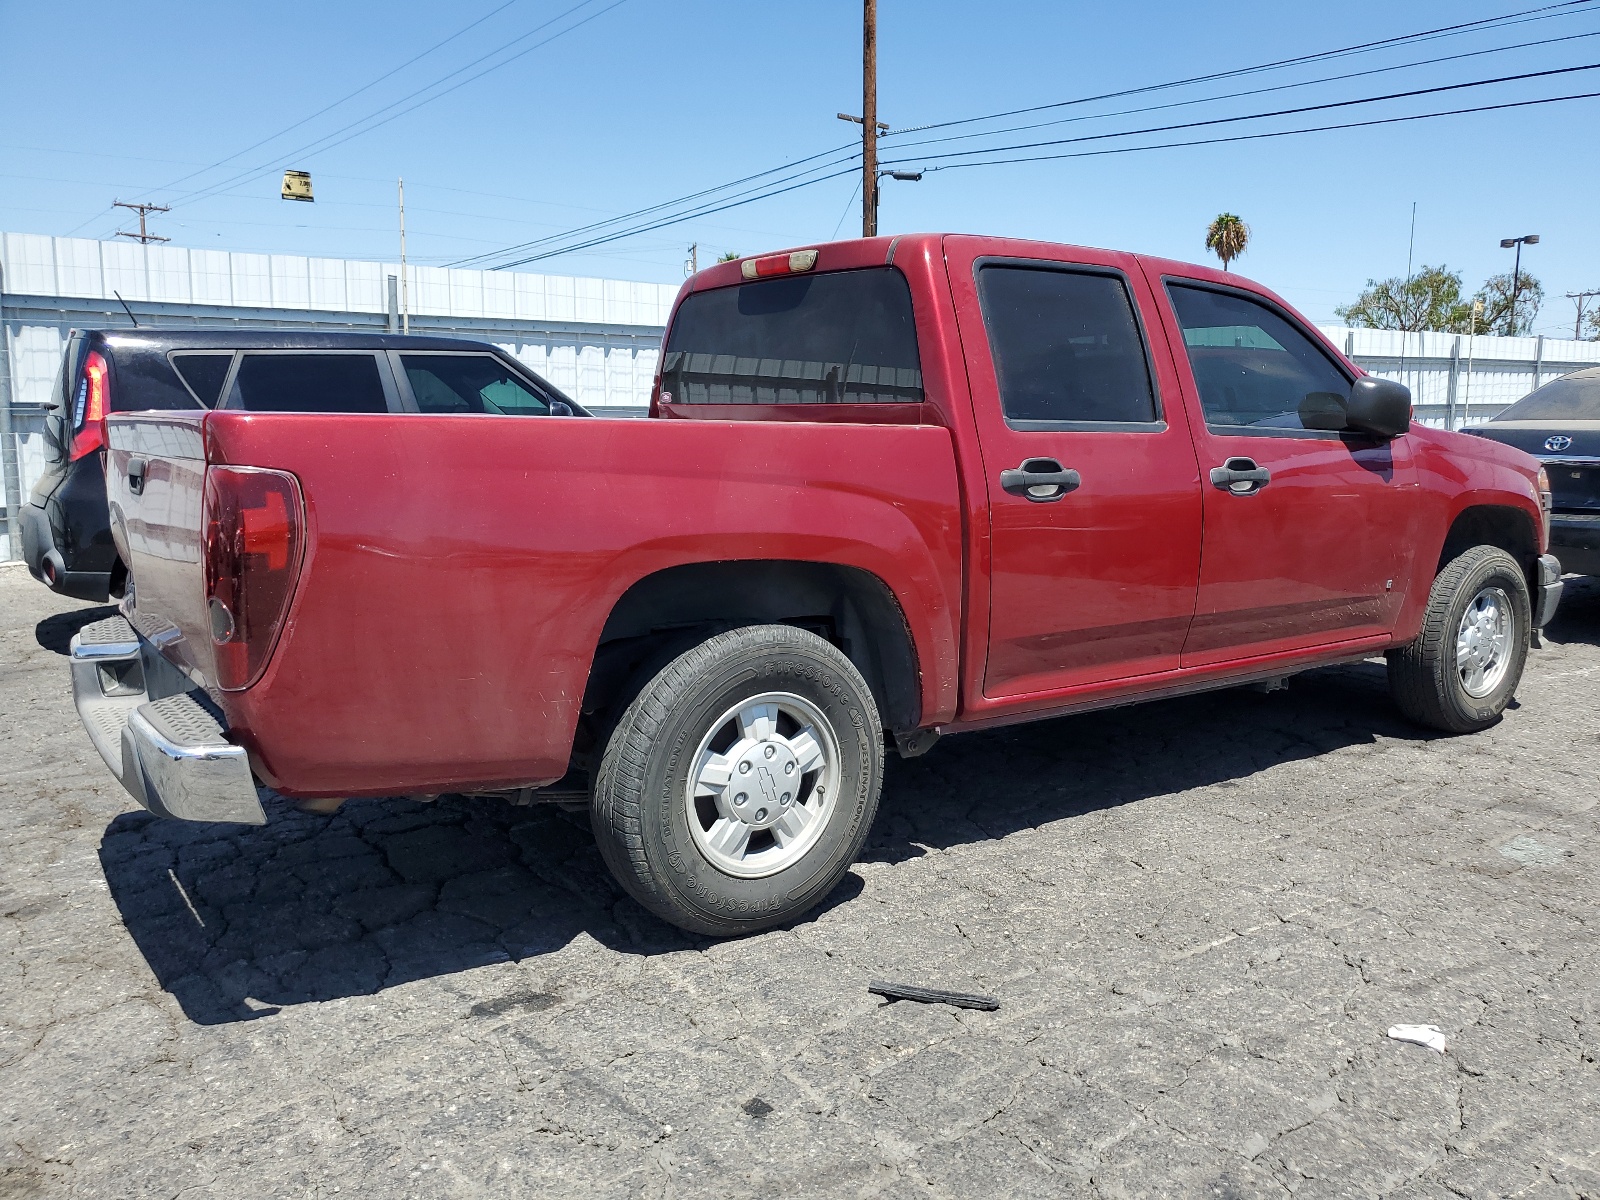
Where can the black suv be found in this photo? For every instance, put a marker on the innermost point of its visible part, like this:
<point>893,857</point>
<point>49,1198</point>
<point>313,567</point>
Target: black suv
<point>66,534</point>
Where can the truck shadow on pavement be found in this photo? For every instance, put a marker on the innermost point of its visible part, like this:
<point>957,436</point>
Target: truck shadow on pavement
<point>237,922</point>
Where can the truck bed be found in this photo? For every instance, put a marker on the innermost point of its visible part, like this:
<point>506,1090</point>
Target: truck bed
<point>440,549</point>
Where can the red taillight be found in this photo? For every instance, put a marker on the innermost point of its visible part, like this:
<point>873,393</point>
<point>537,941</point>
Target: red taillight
<point>252,547</point>
<point>90,408</point>
<point>778,264</point>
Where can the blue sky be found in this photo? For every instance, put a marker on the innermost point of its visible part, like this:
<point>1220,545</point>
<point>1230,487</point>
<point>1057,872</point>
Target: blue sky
<point>649,100</point>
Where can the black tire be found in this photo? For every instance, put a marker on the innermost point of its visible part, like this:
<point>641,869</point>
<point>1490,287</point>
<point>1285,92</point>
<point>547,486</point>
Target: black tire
<point>1425,677</point>
<point>641,808</point>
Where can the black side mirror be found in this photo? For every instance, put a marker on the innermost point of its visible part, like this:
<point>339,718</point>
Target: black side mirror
<point>1380,407</point>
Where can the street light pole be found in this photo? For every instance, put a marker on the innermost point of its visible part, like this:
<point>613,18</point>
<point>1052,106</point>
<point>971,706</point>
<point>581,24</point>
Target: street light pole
<point>1531,239</point>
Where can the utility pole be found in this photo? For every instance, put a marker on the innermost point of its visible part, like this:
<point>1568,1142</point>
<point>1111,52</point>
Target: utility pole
<point>144,236</point>
<point>1580,301</point>
<point>405,296</point>
<point>693,264</point>
<point>869,118</point>
<point>871,127</point>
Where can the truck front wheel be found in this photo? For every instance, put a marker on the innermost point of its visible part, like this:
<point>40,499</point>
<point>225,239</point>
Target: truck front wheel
<point>740,782</point>
<point>1463,668</point>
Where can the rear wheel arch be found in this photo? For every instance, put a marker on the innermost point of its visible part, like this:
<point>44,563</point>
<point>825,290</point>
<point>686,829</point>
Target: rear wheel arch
<point>666,612</point>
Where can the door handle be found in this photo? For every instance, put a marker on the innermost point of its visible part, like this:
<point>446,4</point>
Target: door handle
<point>136,468</point>
<point>1241,477</point>
<point>1040,480</point>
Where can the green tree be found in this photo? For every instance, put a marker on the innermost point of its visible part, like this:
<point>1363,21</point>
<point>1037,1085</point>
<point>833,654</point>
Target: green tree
<point>729,256</point>
<point>1430,299</point>
<point>1497,315</point>
<point>1227,237</point>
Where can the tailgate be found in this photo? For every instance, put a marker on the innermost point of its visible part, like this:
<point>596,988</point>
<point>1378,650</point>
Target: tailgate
<point>155,482</point>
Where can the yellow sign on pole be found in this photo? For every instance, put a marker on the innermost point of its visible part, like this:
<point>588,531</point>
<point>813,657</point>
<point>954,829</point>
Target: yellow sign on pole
<point>297,185</point>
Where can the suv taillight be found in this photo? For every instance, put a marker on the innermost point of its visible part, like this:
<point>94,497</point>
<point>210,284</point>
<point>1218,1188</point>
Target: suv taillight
<point>90,406</point>
<point>252,522</point>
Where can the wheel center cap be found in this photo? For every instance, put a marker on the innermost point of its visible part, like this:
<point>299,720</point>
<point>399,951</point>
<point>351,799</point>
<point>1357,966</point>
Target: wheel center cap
<point>766,780</point>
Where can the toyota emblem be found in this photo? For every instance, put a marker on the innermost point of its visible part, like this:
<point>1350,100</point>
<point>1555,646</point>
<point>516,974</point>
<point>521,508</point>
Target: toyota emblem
<point>1558,442</point>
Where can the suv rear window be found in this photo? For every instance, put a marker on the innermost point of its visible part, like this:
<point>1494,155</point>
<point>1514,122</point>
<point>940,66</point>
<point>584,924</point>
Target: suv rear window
<point>841,338</point>
<point>342,383</point>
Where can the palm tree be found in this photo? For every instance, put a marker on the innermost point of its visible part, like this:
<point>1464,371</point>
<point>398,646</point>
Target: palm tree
<point>1227,238</point>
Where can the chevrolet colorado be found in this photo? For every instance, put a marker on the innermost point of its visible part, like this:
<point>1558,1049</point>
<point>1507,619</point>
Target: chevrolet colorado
<point>890,489</point>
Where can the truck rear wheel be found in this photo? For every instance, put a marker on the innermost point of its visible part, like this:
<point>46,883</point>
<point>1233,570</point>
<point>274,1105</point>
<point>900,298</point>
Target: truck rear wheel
<point>739,784</point>
<point>1463,668</point>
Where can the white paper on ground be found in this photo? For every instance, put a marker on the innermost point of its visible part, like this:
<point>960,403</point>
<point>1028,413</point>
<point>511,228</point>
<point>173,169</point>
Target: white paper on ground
<point>1421,1035</point>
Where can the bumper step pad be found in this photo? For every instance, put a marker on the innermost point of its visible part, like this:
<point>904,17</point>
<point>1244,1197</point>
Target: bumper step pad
<point>172,753</point>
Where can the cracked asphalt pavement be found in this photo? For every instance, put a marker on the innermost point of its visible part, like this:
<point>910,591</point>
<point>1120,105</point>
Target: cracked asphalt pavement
<point>1200,917</point>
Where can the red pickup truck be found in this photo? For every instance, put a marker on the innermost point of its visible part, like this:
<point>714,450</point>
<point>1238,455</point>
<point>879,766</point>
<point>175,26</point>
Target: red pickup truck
<point>890,489</point>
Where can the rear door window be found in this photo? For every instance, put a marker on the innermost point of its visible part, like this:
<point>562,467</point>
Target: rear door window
<point>203,374</point>
<point>847,337</point>
<point>1067,348</point>
<point>469,383</point>
<point>335,383</point>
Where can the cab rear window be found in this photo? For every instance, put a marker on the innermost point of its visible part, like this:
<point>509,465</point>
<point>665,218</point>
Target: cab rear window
<point>846,337</point>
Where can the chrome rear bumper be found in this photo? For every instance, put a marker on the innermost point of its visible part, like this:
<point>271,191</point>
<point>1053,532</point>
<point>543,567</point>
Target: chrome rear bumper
<point>171,753</point>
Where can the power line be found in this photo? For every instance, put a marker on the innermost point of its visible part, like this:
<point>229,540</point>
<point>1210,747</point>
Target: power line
<point>326,142</point>
<point>439,45</point>
<point>1559,9</point>
<point>1249,137</point>
<point>1282,112</point>
<point>676,220</point>
<point>665,204</point>
<point>1279,87</point>
<point>554,240</point>
<point>1244,137</point>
